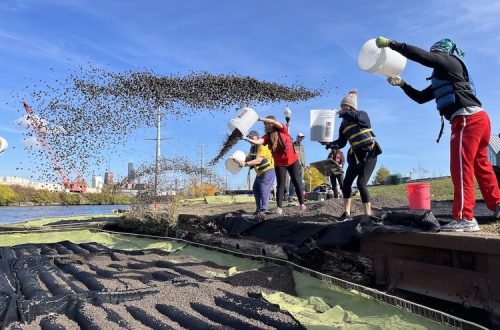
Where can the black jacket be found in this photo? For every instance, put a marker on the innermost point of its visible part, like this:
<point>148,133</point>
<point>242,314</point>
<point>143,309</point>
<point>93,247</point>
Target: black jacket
<point>355,156</point>
<point>446,67</point>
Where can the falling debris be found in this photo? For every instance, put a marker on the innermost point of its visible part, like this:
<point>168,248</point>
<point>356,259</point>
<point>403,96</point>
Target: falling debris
<point>230,142</point>
<point>92,112</point>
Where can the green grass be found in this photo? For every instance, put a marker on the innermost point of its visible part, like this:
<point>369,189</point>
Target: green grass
<point>441,190</point>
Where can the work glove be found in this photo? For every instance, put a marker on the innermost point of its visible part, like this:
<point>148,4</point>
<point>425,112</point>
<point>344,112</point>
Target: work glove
<point>382,42</point>
<point>396,81</point>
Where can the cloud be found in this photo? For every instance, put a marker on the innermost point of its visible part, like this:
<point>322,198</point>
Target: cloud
<point>44,126</point>
<point>31,142</point>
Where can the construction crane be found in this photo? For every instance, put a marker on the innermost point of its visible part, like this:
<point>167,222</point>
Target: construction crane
<point>78,185</point>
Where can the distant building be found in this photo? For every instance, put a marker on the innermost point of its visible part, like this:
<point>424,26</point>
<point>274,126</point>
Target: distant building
<point>494,150</point>
<point>18,181</point>
<point>131,173</point>
<point>108,177</point>
<point>97,182</point>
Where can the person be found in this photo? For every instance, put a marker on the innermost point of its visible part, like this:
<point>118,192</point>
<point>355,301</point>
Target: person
<point>300,152</point>
<point>453,90</point>
<point>261,160</point>
<point>285,159</point>
<point>338,157</point>
<point>355,128</point>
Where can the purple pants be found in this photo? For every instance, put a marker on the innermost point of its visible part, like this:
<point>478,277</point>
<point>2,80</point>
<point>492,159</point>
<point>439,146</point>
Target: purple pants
<point>262,189</point>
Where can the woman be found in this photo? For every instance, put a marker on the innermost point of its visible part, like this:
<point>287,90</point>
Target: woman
<point>285,159</point>
<point>338,157</point>
<point>456,100</point>
<point>362,155</point>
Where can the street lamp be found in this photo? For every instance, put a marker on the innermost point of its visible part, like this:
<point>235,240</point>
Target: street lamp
<point>288,115</point>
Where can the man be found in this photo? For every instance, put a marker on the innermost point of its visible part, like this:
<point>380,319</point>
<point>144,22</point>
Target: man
<point>299,150</point>
<point>454,93</point>
<point>261,160</point>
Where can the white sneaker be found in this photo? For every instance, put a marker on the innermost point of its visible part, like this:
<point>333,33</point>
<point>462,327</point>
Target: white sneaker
<point>278,210</point>
<point>462,225</point>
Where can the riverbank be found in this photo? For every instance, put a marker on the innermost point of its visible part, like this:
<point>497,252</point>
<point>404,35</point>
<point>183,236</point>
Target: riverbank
<point>14,195</point>
<point>16,214</point>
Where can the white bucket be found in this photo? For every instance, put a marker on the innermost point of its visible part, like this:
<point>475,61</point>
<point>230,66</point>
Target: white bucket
<point>3,145</point>
<point>383,61</point>
<point>322,125</point>
<point>232,164</point>
<point>246,118</point>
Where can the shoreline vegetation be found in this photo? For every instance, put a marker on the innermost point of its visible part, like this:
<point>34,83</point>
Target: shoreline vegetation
<point>24,196</point>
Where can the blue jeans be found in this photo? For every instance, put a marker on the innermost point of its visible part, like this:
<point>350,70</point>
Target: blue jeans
<point>262,189</point>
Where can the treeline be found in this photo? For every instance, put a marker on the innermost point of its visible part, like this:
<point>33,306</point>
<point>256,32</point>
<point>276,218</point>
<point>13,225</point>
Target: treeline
<point>18,195</point>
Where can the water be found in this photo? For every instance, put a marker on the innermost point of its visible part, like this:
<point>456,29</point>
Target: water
<point>9,214</point>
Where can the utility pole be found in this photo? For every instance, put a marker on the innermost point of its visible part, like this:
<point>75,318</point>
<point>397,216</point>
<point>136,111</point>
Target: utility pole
<point>157,164</point>
<point>202,149</point>
<point>157,140</point>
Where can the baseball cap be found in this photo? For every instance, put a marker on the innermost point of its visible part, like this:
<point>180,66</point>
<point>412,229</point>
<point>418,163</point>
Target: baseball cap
<point>252,134</point>
<point>300,135</point>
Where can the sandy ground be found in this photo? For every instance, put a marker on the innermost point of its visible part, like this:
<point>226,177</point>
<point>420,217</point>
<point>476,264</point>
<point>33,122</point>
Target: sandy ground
<point>69,286</point>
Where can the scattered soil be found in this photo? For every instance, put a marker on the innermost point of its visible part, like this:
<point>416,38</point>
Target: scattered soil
<point>85,116</point>
<point>230,142</point>
<point>68,286</point>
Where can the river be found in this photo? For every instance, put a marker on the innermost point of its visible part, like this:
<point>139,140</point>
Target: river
<point>9,214</point>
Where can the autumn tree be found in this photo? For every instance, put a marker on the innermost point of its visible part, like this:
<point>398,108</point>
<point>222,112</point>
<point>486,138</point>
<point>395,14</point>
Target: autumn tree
<point>7,195</point>
<point>382,173</point>
<point>313,177</point>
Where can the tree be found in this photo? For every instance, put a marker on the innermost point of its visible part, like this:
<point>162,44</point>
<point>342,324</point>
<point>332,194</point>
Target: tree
<point>382,173</point>
<point>313,177</point>
<point>207,189</point>
<point>7,195</point>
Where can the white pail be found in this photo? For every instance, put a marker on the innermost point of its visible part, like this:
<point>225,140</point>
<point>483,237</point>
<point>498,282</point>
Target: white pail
<point>322,125</point>
<point>246,118</point>
<point>383,61</point>
<point>3,145</point>
<point>232,164</point>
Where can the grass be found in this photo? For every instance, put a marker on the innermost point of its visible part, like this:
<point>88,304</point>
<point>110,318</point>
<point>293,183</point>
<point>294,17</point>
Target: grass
<point>441,190</point>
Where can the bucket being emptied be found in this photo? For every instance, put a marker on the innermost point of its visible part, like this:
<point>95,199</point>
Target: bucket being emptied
<point>419,196</point>
<point>232,164</point>
<point>383,61</point>
<point>244,121</point>
<point>322,123</point>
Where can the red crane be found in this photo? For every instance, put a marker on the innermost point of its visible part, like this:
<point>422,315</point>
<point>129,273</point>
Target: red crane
<point>79,185</point>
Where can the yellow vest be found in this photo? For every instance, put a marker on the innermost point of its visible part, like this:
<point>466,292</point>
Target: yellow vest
<point>267,162</point>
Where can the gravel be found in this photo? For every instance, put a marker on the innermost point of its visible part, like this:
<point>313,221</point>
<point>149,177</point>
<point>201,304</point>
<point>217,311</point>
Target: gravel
<point>147,289</point>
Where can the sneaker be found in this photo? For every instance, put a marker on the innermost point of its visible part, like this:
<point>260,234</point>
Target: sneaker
<point>497,212</point>
<point>462,225</point>
<point>344,217</point>
<point>302,207</point>
<point>278,210</point>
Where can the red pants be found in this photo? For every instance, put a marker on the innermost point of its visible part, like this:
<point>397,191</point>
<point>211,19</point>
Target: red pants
<point>470,136</point>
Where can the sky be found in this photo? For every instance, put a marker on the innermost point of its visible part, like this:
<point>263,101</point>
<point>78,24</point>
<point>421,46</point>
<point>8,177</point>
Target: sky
<point>314,43</point>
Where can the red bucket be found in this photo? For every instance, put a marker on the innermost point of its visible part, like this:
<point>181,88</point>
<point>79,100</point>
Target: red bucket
<point>419,196</point>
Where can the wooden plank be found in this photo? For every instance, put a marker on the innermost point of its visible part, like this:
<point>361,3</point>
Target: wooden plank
<point>471,242</point>
<point>466,287</point>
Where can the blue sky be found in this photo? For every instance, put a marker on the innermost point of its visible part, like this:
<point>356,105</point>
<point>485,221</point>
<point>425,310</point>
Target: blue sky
<point>315,43</point>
